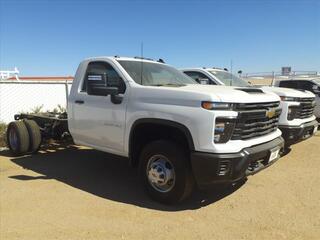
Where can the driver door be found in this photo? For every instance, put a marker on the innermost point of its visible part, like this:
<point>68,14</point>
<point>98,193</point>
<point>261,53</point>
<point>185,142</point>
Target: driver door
<point>99,122</point>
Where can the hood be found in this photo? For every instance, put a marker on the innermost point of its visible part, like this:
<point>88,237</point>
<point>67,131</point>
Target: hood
<point>288,92</point>
<point>232,93</point>
<point>193,94</point>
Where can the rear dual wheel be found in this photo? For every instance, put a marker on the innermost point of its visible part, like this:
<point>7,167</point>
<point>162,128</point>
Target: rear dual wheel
<point>34,135</point>
<point>23,137</point>
<point>18,137</point>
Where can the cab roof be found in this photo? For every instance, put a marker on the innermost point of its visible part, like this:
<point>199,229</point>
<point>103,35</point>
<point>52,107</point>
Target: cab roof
<point>117,58</point>
<point>205,69</point>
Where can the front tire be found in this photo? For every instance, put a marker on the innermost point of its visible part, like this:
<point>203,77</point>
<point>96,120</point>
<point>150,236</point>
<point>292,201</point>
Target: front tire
<point>166,172</point>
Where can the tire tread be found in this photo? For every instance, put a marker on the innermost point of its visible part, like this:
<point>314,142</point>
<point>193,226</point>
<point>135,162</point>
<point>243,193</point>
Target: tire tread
<point>34,134</point>
<point>175,150</point>
<point>22,135</point>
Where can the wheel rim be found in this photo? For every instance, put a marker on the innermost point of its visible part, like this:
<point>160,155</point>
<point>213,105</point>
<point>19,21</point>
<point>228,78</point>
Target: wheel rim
<point>160,173</point>
<point>13,139</point>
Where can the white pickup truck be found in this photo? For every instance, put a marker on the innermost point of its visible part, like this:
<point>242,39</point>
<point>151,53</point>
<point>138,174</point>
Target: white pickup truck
<point>177,131</point>
<point>311,84</point>
<point>297,120</point>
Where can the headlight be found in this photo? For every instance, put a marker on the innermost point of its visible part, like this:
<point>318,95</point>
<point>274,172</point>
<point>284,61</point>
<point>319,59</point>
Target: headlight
<point>289,99</point>
<point>292,112</point>
<point>217,106</point>
<point>223,130</point>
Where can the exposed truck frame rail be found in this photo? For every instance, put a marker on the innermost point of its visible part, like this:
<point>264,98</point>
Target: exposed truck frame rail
<point>51,125</point>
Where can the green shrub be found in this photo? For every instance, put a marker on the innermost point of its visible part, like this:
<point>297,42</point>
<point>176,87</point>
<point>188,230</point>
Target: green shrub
<point>37,109</point>
<point>3,128</point>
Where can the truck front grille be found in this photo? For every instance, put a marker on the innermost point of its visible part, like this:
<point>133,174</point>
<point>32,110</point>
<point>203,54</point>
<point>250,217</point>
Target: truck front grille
<point>255,120</point>
<point>306,108</point>
<point>256,106</point>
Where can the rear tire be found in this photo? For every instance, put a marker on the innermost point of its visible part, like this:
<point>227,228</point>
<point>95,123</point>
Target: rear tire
<point>18,138</point>
<point>166,172</point>
<point>34,135</point>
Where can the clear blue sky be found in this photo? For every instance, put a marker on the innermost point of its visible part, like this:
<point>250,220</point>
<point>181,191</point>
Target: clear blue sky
<point>52,37</point>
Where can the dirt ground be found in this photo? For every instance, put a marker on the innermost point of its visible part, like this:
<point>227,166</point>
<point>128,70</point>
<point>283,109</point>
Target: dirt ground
<point>263,81</point>
<point>70,193</point>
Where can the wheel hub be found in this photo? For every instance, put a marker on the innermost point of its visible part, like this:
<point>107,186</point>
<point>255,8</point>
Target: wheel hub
<point>13,139</point>
<point>160,173</point>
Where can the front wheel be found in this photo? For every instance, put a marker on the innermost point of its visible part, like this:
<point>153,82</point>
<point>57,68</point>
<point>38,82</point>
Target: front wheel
<point>165,171</point>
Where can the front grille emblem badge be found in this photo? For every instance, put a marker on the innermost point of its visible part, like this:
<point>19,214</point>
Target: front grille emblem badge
<point>271,112</point>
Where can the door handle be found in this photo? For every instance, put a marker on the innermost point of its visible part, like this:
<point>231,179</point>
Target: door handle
<point>79,101</point>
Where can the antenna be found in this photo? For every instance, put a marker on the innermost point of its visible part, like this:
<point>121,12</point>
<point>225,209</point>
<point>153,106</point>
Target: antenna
<point>231,65</point>
<point>141,49</point>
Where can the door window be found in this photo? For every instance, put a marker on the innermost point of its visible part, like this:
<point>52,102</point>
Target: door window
<point>198,76</point>
<point>289,84</point>
<point>102,73</point>
<point>306,85</point>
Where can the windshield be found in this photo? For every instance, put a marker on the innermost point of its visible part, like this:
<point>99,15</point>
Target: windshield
<point>155,74</point>
<point>229,79</point>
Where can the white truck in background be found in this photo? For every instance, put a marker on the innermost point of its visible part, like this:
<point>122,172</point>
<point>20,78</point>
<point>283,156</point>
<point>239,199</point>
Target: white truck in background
<point>311,84</point>
<point>297,120</point>
<point>178,132</point>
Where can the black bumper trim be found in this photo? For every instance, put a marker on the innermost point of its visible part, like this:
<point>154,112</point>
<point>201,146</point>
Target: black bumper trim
<point>294,134</point>
<point>212,168</point>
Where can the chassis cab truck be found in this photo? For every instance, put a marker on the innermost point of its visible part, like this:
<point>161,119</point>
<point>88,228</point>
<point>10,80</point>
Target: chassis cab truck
<point>179,133</point>
<point>297,121</point>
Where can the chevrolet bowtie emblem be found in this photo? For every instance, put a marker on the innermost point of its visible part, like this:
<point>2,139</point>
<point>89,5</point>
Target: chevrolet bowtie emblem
<point>271,113</point>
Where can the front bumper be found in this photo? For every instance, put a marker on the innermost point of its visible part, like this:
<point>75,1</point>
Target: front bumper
<point>211,168</point>
<point>294,134</point>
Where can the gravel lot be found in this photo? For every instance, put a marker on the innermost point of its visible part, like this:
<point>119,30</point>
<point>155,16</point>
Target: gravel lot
<point>71,193</point>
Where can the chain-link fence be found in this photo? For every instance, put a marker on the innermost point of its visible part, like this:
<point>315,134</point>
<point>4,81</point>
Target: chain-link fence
<point>31,96</point>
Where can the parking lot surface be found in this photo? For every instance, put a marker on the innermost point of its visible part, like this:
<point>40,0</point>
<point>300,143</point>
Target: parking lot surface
<point>79,193</point>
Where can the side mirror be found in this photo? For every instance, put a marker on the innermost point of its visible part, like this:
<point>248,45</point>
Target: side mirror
<point>101,90</point>
<point>97,85</point>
